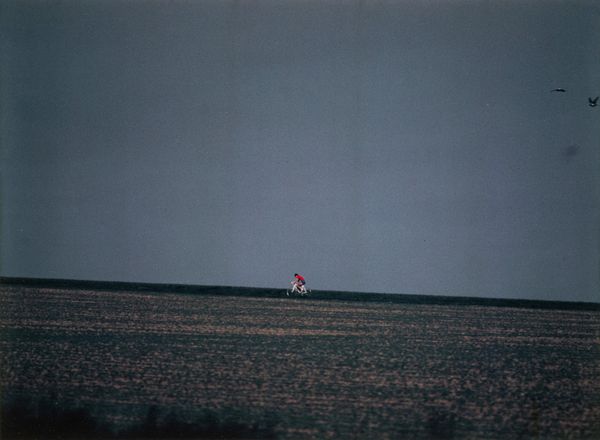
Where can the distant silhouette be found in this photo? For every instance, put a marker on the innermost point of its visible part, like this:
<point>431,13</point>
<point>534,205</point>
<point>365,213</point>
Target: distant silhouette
<point>570,152</point>
<point>593,102</point>
<point>558,90</point>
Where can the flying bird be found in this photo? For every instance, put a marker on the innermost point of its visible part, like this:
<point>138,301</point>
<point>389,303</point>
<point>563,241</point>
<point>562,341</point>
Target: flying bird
<point>558,90</point>
<point>571,151</point>
<point>593,102</point>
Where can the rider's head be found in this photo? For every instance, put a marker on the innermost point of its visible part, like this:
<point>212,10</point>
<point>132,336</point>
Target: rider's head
<point>295,274</point>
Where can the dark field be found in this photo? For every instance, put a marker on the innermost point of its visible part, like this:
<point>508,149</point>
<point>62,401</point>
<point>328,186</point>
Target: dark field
<point>257,367</point>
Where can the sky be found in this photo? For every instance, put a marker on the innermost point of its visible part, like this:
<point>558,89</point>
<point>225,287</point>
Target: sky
<point>374,146</point>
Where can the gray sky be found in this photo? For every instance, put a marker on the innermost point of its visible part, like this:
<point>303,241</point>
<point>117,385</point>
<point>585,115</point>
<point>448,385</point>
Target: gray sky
<point>410,146</point>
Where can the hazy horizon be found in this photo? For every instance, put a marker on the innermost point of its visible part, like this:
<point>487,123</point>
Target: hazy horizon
<point>395,147</point>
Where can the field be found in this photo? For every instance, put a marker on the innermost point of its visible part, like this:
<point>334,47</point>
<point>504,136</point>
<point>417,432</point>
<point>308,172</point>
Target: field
<point>293,368</point>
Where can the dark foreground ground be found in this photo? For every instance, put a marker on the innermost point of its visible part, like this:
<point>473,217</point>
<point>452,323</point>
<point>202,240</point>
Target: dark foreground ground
<point>87,363</point>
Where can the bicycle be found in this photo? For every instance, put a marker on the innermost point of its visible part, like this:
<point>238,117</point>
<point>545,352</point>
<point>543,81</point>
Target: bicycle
<point>297,288</point>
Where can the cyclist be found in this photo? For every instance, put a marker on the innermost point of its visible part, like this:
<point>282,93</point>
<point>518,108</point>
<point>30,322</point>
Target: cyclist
<point>300,281</point>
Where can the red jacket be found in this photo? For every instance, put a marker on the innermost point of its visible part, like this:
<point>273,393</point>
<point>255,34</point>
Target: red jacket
<point>300,277</point>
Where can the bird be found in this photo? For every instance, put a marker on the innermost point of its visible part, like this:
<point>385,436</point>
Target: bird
<point>571,151</point>
<point>593,102</point>
<point>558,90</point>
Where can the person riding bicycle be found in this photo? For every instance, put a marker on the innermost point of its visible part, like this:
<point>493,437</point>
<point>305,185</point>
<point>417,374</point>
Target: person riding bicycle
<point>299,280</point>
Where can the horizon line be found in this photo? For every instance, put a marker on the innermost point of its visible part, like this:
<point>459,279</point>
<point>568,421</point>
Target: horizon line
<point>316,294</point>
